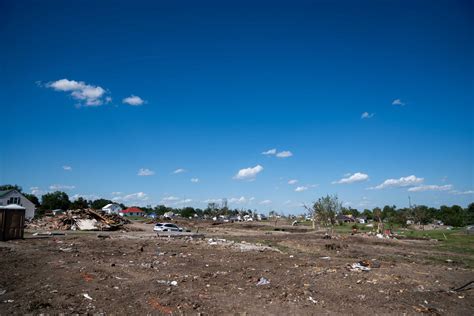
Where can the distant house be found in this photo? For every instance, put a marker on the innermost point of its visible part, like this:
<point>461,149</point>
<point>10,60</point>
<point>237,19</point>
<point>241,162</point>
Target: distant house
<point>345,218</point>
<point>132,211</point>
<point>9,197</point>
<point>362,220</point>
<point>168,215</point>
<point>112,208</point>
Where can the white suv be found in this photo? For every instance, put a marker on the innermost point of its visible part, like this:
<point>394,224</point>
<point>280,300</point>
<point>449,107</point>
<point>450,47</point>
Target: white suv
<point>167,227</point>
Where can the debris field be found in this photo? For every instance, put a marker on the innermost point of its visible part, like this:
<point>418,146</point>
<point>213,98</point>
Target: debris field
<point>234,269</point>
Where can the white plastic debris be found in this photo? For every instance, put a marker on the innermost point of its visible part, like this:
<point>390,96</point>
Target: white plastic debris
<point>87,296</point>
<point>263,281</point>
<point>312,300</point>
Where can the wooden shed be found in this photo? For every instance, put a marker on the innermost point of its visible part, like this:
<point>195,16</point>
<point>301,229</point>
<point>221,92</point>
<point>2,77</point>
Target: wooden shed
<point>12,222</point>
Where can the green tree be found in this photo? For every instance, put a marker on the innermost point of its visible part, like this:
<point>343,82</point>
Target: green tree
<point>5,187</point>
<point>325,209</point>
<point>100,203</point>
<point>453,216</point>
<point>367,213</point>
<point>55,200</point>
<point>470,214</point>
<point>32,198</point>
<point>79,203</point>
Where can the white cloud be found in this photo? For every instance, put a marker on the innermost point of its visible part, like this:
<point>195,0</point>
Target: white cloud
<point>67,168</point>
<point>133,198</point>
<point>402,182</point>
<point>116,193</point>
<point>284,154</point>
<point>265,202</point>
<point>281,154</point>
<point>170,198</point>
<point>301,189</point>
<point>241,200</point>
<point>61,187</point>
<point>133,100</point>
<point>292,181</point>
<point>356,177</point>
<point>462,192</point>
<point>248,173</point>
<point>195,180</point>
<point>180,170</point>
<point>398,102</point>
<point>431,187</point>
<point>174,200</point>
<point>212,201</point>
<point>145,172</point>
<point>270,152</point>
<point>367,115</point>
<point>88,95</point>
<point>37,191</point>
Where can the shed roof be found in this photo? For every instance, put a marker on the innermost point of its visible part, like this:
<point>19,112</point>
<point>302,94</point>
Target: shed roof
<point>12,207</point>
<point>5,192</point>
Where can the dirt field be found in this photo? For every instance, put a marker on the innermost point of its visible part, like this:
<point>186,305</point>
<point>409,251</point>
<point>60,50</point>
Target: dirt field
<point>138,273</point>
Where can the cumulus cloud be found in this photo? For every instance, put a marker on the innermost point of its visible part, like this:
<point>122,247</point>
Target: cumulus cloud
<point>402,182</point>
<point>284,154</point>
<point>265,202</point>
<point>398,102</point>
<point>241,200</point>
<point>116,193</point>
<point>67,168</point>
<point>212,201</point>
<point>134,197</point>
<point>37,191</point>
<point>301,189</point>
<point>292,181</point>
<point>194,180</point>
<point>144,172</point>
<point>179,170</point>
<point>270,152</point>
<point>281,154</point>
<point>462,192</point>
<point>133,100</point>
<point>57,187</point>
<point>174,200</point>
<point>356,177</point>
<point>248,173</point>
<point>86,94</point>
<point>431,187</point>
<point>367,115</point>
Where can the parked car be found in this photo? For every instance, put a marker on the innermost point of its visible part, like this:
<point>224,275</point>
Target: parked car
<point>167,227</point>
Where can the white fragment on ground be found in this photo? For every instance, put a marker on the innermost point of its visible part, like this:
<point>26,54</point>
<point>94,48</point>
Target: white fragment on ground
<point>87,296</point>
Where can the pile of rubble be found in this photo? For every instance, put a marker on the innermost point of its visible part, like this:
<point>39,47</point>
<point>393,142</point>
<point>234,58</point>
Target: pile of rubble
<point>82,219</point>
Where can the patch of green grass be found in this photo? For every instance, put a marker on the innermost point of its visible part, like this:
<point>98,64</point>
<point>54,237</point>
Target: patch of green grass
<point>455,240</point>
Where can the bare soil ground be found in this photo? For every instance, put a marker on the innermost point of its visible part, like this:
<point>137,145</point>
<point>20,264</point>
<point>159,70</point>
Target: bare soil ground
<point>136,272</point>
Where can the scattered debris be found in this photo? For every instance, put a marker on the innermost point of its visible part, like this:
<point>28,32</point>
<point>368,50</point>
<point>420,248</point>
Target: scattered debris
<point>312,300</point>
<point>466,287</point>
<point>173,283</point>
<point>263,281</point>
<point>82,219</point>
<point>3,292</point>
<point>87,296</point>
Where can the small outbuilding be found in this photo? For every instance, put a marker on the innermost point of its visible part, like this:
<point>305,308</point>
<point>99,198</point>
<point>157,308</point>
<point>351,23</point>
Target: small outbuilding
<point>12,222</point>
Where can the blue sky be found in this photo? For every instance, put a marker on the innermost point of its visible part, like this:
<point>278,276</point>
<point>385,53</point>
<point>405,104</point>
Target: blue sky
<point>97,93</point>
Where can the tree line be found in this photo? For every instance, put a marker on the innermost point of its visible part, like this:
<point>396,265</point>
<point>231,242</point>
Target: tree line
<point>324,210</point>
